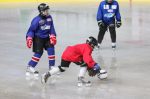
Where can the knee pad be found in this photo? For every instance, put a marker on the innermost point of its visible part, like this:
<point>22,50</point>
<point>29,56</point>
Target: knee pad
<point>112,29</point>
<point>62,69</point>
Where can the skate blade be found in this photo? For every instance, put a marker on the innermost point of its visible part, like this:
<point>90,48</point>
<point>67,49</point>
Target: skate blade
<point>103,78</point>
<point>36,75</point>
<point>42,79</point>
<point>114,49</point>
<point>80,84</point>
<point>28,74</point>
<point>87,84</point>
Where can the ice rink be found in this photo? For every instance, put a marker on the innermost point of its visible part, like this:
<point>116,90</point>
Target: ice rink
<point>128,67</point>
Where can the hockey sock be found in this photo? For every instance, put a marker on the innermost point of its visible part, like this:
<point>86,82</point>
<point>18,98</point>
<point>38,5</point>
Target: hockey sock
<point>51,56</point>
<point>82,71</point>
<point>35,59</point>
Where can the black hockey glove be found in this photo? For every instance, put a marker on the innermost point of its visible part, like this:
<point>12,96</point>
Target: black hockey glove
<point>94,70</point>
<point>118,24</point>
<point>101,24</point>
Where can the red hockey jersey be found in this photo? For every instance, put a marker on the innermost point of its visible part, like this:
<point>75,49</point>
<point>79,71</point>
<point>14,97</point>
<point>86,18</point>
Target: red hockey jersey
<point>78,53</point>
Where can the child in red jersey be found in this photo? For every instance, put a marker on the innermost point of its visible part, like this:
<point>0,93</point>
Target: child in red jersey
<point>79,54</point>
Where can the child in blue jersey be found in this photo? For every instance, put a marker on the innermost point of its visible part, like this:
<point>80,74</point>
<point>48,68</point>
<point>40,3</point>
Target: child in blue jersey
<point>42,35</point>
<point>108,16</point>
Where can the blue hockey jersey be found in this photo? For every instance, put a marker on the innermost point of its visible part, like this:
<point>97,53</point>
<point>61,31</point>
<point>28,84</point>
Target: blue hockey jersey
<point>41,27</point>
<point>108,12</point>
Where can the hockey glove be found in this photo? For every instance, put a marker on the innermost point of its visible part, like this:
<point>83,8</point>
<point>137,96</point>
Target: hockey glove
<point>29,42</point>
<point>118,24</point>
<point>91,72</point>
<point>53,39</point>
<point>101,24</point>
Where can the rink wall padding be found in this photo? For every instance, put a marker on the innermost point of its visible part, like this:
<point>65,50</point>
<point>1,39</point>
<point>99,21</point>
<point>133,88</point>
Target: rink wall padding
<point>31,3</point>
<point>71,1</point>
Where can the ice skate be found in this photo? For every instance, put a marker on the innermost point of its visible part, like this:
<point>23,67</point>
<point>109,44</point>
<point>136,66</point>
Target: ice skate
<point>44,77</point>
<point>31,71</point>
<point>52,67</point>
<point>82,82</point>
<point>114,47</point>
<point>98,46</point>
<point>102,74</point>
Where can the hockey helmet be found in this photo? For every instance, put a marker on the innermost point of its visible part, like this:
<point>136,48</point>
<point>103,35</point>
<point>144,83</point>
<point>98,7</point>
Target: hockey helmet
<point>92,41</point>
<point>109,1</point>
<point>43,7</point>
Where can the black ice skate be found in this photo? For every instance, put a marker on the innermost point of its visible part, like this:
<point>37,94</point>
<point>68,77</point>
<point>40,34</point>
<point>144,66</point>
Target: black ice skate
<point>44,77</point>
